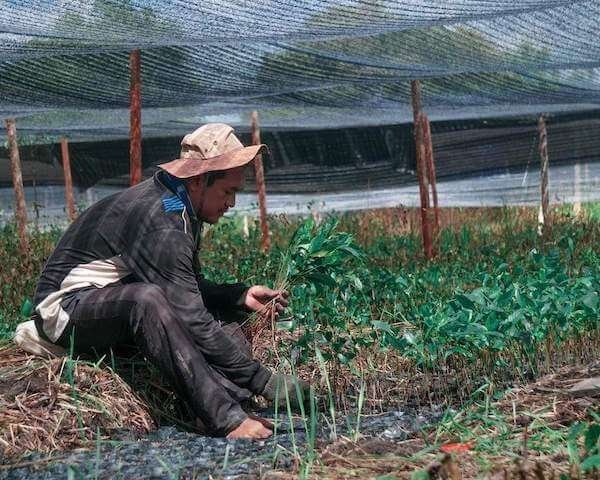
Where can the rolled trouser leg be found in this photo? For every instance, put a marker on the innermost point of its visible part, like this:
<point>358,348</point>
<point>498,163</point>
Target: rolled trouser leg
<point>169,345</point>
<point>141,312</point>
<point>237,335</point>
<point>228,320</point>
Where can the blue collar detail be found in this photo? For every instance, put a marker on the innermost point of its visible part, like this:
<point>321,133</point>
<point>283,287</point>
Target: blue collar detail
<point>180,200</point>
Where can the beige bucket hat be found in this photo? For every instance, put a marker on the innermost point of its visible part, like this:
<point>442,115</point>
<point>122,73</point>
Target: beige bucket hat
<point>210,148</point>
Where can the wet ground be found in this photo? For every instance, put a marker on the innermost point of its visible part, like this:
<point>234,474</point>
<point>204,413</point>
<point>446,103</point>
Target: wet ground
<point>172,454</point>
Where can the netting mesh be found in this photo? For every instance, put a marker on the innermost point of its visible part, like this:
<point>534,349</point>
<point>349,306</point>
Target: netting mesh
<point>302,64</point>
<point>490,162</point>
<point>331,82</point>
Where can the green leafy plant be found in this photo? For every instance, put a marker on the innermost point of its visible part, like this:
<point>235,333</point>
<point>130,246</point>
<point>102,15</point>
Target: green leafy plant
<point>589,435</point>
<point>317,257</point>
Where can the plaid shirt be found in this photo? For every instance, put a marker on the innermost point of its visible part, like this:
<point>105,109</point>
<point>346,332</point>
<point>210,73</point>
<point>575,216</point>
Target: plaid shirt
<point>146,233</point>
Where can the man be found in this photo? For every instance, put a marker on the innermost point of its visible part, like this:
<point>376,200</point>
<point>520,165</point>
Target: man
<point>127,271</point>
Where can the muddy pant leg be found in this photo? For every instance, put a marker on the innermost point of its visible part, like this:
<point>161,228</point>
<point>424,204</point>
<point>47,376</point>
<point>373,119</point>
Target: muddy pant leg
<point>229,322</point>
<point>104,317</point>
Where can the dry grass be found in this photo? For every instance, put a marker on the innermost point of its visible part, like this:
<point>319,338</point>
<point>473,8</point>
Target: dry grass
<point>407,220</point>
<point>392,380</point>
<point>426,454</point>
<point>41,410</point>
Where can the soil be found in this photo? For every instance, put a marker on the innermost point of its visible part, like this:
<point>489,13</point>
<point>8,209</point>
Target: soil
<point>169,453</point>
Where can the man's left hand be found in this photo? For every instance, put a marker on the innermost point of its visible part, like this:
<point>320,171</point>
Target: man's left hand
<point>258,296</point>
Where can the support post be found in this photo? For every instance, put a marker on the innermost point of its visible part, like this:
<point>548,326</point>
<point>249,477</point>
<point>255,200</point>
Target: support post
<point>415,96</point>
<point>577,210</point>
<point>17,179</point>
<point>64,149</point>
<point>423,187</point>
<point>260,185</point>
<point>135,118</point>
<point>422,166</point>
<point>431,178</point>
<point>543,218</point>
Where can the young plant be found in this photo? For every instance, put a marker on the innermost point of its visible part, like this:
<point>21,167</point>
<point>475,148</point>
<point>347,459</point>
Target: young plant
<point>316,257</point>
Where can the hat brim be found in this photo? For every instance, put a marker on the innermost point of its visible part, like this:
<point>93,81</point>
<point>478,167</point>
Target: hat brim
<point>192,166</point>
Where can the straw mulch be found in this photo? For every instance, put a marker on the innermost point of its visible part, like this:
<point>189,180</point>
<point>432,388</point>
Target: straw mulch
<point>61,404</point>
<point>548,400</point>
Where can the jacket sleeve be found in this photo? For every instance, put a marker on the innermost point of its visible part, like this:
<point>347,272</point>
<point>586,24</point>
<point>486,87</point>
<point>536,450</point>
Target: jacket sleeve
<point>165,258</point>
<point>221,295</point>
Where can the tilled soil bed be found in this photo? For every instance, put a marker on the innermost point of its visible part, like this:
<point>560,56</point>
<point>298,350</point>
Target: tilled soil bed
<point>77,420</point>
<point>169,453</point>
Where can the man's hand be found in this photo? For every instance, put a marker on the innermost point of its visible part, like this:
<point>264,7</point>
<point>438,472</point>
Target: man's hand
<point>250,428</point>
<point>259,296</point>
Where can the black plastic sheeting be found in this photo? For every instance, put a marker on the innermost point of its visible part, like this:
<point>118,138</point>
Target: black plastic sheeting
<point>341,159</point>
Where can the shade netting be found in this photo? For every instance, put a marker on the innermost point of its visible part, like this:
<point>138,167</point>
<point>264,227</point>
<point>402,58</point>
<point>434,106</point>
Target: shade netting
<point>331,83</point>
<point>302,64</point>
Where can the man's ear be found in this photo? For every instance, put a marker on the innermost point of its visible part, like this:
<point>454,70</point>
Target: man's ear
<point>196,184</point>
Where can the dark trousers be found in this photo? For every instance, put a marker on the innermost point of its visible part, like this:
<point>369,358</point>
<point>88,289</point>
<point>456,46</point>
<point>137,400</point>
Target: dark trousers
<point>140,314</point>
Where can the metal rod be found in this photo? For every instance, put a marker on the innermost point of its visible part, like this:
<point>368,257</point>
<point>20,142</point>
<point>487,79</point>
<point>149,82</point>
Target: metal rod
<point>135,118</point>
<point>64,150</point>
<point>17,178</point>
<point>577,189</point>
<point>260,185</point>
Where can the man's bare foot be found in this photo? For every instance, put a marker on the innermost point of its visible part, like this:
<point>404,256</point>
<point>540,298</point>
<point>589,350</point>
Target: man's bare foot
<point>250,428</point>
<point>265,422</point>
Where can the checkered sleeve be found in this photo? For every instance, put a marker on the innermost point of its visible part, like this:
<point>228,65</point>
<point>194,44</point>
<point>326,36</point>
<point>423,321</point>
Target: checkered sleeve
<point>165,258</point>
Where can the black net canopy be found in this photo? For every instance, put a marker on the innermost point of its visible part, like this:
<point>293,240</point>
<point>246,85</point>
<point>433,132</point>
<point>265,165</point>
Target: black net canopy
<point>331,81</point>
<point>303,64</point>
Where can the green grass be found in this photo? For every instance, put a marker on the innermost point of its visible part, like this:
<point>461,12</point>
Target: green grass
<point>497,300</point>
<point>497,304</point>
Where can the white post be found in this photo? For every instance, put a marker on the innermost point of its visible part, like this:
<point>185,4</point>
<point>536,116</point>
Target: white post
<point>577,189</point>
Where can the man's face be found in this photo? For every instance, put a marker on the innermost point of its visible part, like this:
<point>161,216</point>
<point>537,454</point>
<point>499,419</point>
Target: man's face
<point>213,201</point>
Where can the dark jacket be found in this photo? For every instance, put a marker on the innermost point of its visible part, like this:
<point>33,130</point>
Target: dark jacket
<point>146,233</point>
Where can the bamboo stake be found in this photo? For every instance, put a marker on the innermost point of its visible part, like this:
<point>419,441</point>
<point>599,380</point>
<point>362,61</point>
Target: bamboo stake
<point>64,149</point>
<point>260,185</point>
<point>135,118</point>
<point>421,153</point>
<point>543,218</point>
<point>17,178</point>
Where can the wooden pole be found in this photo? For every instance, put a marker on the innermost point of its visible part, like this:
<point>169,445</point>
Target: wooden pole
<point>421,153</point>
<point>135,118</point>
<point>64,149</point>
<point>415,96</point>
<point>17,178</point>
<point>423,187</point>
<point>260,185</point>
<point>431,178</point>
<point>543,218</point>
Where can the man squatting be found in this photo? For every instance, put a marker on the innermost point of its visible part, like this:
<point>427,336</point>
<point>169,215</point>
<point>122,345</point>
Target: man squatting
<point>126,271</point>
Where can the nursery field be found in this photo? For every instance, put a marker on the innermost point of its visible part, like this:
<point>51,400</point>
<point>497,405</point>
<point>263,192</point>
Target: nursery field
<point>482,343</point>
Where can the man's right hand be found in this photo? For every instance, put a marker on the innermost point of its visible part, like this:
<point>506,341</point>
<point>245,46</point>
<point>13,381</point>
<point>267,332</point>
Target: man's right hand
<point>250,428</point>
